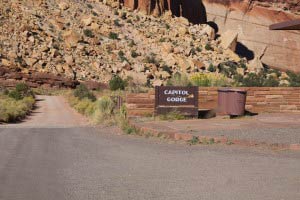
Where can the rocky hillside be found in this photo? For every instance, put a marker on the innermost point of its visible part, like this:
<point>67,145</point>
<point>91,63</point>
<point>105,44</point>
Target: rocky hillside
<point>91,41</point>
<point>250,18</point>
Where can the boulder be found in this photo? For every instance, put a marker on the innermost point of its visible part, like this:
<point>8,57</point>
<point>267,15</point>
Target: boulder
<point>71,38</point>
<point>229,40</point>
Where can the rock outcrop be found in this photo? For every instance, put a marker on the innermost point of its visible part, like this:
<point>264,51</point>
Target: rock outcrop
<point>10,76</point>
<point>250,18</point>
<point>87,40</point>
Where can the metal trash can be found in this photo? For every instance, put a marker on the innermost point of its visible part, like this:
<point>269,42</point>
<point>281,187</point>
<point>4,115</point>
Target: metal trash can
<point>231,101</point>
<point>236,102</point>
<point>223,101</point>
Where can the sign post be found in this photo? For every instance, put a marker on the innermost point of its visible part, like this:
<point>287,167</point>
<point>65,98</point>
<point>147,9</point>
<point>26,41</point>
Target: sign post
<point>180,99</point>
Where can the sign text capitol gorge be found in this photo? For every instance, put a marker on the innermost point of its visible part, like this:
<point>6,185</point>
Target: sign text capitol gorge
<point>178,98</point>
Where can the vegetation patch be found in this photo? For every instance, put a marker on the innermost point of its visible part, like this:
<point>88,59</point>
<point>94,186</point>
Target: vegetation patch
<point>16,104</point>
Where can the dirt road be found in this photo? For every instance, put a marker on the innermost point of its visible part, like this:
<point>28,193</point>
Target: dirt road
<point>52,112</point>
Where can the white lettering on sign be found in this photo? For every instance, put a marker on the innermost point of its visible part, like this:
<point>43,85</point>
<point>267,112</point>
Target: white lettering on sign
<point>177,99</point>
<point>176,92</point>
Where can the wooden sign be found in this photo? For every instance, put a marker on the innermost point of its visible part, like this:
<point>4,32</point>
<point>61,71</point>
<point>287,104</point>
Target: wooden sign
<point>181,99</point>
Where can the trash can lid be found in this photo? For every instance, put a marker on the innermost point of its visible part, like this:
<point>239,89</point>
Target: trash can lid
<point>238,90</point>
<point>224,89</point>
<point>232,90</point>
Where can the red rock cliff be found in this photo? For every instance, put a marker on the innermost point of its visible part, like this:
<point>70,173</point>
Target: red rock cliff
<point>251,18</point>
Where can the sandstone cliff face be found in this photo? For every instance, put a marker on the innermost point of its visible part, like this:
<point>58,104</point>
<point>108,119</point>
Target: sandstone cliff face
<point>193,10</point>
<point>251,18</point>
<point>279,49</point>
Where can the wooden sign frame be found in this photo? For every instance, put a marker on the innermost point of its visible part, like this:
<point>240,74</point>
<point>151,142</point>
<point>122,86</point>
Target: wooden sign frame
<point>174,98</point>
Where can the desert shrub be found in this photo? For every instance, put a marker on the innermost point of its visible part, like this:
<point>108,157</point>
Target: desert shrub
<point>162,39</point>
<point>193,51</point>
<point>124,16</point>
<point>90,6</point>
<point>199,49</point>
<point>166,68</point>
<point>131,43</point>
<point>211,68</point>
<point>129,21</point>
<point>82,92</point>
<point>104,112</point>
<point>242,64</point>
<point>113,36</point>
<point>85,107</point>
<point>134,54</point>
<point>117,83</point>
<point>21,91</point>
<point>12,110</point>
<point>106,106</point>
<point>253,80</point>
<point>294,79</point>
<point>238,79</point>
<point>117,23</point>
<point>88,33</point>
<point>121,55</point>
<point>209,80</point>
<point>229,68</point>
<point>208,47</point>
<point>151,59</point>
<point>173,115</point>
<point>15,95</point>
<point>271,82</point>
<point>179,79</point>
<point>167,26</point>
<point>95,14</point>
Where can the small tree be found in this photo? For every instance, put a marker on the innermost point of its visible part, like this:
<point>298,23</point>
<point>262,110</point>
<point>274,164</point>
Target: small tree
<point>82,92</point>
<point>117,83</point>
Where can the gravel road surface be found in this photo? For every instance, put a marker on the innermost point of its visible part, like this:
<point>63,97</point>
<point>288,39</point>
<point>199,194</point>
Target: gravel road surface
<point>51,112</point>
<point>83,163</point>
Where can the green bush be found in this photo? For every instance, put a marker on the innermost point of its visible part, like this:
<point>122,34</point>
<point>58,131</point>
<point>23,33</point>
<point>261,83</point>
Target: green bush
<point>113,36</point>
<point>117,23</point>
<point>104,112</point>
<point>179,79</point>
<point>208,47</point>
<point>15,95</point>
<point>134,54</point>
<point>106,106</point>
<point>211,68</point>
<point>90,6</point>
<point>124,16</point>
<point>166,68</point>
<point>12,110</point>
<point>82,92</point>
<point>88,33</point>
<point>21,91</point>
<point>85,107</point>
<point>271,82</point>
<point>253,80</point>
<point>117,83</point>
<point>151,59</point>
<point>209,80</point>
<point>294,79</point>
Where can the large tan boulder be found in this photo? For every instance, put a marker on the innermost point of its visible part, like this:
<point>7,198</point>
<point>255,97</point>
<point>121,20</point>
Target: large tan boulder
<point>229,40</point>
<point>71,38</point>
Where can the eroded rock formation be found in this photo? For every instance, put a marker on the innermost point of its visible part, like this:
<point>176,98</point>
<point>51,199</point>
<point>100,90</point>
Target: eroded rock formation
<point>250,18</point>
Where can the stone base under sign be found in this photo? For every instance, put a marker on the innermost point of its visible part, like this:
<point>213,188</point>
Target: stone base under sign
<point>186,111</point>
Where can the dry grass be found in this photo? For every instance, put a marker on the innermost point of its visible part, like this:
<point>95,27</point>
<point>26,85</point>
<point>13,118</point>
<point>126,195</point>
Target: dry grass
<point>12,110</point>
